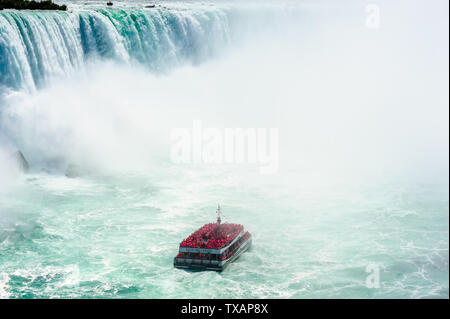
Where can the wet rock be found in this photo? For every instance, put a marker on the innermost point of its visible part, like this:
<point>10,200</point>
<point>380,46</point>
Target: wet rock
<point>20,160</point>
<point>73,171</point>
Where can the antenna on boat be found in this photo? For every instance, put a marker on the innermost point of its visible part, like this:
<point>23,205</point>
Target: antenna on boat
<point>218,212</point>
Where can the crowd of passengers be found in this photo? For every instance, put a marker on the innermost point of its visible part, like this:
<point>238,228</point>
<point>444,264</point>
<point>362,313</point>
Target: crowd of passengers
<point>214,236</point>
<point>223,256</point>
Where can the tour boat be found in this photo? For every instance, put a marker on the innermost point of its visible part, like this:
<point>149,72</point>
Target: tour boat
<point>213,246</point>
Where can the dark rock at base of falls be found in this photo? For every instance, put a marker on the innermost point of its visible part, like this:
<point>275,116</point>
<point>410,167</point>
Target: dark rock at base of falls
<point>150,6</point>
<point>20,160</point>
<point>73,171</point>
<point>109,3</point>
<point>80,169</point>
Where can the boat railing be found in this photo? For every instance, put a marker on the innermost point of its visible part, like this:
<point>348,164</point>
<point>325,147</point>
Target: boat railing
<point>236,250</point>
<point>197,261</point>
<point>211,250</point>
<point>184,260</point>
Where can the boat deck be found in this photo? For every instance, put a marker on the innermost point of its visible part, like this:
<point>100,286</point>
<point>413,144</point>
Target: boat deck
<point>216,265</point>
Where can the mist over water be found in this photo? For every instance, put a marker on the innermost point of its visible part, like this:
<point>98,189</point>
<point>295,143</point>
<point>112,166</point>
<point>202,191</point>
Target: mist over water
<point>363,127</point>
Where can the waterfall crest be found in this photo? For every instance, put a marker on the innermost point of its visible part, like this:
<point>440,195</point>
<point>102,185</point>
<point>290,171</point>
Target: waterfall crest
<point>36,46</point>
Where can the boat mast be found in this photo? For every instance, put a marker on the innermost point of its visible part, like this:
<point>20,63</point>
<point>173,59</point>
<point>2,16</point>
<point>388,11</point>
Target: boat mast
<point>218,212</point>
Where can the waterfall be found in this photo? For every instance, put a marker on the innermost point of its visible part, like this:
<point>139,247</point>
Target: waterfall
<point>37,46</point>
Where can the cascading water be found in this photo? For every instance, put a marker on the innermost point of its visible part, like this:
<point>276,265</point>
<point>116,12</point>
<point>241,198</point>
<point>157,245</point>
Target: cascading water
<point>36,46</point>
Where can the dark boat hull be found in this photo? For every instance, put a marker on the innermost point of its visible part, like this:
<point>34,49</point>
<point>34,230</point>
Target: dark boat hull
<point>198,264</point>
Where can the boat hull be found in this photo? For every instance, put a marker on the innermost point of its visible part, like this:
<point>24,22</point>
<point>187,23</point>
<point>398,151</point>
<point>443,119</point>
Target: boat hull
<point>199,264</point>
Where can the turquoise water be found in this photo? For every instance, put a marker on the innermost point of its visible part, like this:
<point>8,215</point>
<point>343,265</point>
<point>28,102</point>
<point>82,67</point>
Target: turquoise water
<point>362,180</point>
<point>115,237</point>
<point>37,46</point>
